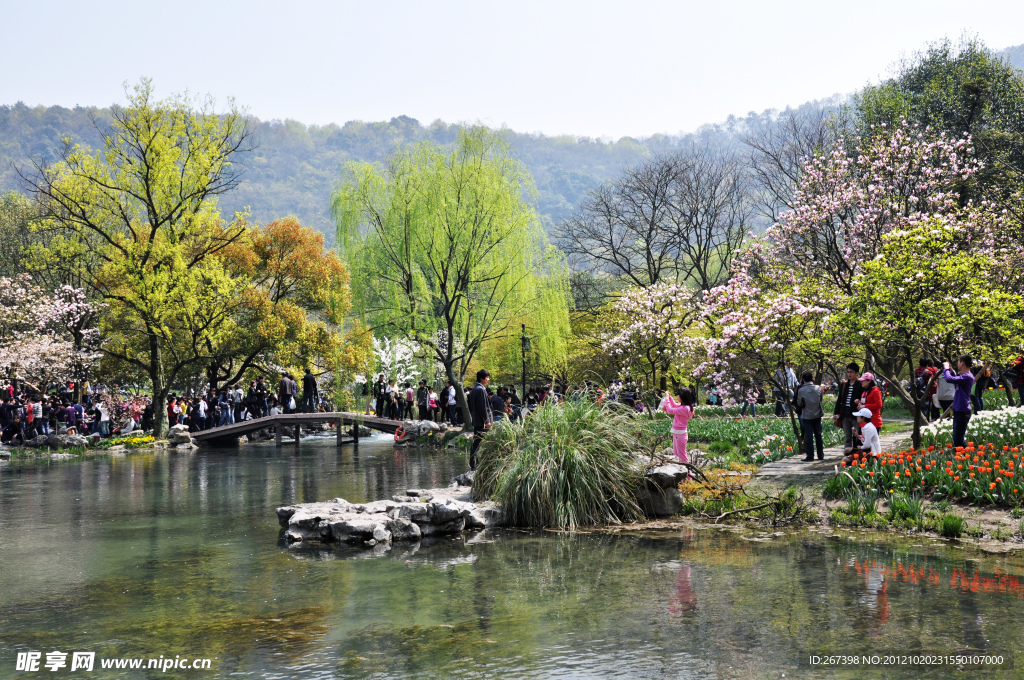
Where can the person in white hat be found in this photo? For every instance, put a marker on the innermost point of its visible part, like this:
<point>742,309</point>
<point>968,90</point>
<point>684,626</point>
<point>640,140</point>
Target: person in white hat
<point>869,436</point>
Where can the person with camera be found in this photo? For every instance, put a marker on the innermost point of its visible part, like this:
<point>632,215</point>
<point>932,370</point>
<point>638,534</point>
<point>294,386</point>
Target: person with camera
<point>962,382</point>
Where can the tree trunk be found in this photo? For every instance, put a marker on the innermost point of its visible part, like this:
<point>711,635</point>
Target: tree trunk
<point>1009,392</point>
<point>156,376</point>
<point>796,426</point>
<point>915,438</point>
<point>211,377</point>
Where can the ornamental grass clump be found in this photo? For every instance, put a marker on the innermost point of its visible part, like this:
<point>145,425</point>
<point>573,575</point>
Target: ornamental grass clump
<point>567,465</point>
<point>951,525</point>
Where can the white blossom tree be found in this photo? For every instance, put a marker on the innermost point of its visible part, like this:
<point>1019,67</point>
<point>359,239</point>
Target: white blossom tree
<point>36,345</point>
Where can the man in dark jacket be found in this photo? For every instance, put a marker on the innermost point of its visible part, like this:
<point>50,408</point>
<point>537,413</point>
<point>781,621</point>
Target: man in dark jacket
<point>480,411</point>
<point>378,396</point>
<point>422,397</point>
<point>309,393</point>
<point>14,432</point>
<point>847,403</point>
<point>261,392</point>
<point>498,404</point>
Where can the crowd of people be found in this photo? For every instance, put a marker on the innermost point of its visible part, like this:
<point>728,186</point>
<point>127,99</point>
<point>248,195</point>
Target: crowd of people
<point>385,398</point>
<point>28,411</point>
<point>232,404</point>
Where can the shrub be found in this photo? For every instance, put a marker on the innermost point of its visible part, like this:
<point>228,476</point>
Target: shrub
<point>952,525</point>
<point>566,465</point>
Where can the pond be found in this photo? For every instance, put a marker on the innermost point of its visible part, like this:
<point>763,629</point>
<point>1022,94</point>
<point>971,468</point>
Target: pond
<point>180,556</point>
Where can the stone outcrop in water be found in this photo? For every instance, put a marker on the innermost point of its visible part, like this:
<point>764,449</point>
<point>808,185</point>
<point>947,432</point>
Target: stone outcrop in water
<point>57,441</point>
<point>409,517</point>
<point>421,513</point>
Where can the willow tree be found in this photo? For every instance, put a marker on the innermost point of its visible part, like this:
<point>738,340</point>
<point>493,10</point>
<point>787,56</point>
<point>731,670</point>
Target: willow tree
<point>137,221</point>
<point>445,248</point>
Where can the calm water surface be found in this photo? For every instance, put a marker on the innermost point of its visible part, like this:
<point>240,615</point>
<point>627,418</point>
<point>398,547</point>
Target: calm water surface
<point>171,554</point>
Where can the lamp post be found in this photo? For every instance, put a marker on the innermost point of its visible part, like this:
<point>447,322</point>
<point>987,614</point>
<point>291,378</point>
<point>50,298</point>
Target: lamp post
<point>526,348</point>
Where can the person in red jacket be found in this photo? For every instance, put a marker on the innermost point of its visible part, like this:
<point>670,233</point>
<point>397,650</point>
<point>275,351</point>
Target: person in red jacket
<point>871,399</point>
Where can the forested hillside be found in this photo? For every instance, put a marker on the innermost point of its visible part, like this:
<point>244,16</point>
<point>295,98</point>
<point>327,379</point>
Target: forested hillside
<point>295,166</point>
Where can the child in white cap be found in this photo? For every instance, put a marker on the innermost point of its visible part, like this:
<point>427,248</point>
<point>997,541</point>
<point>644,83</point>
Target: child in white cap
<point>868,435</point>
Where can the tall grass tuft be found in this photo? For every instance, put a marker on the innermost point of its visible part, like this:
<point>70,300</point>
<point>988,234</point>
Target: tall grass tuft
<point>952,525</point>
<point>567,465</point>
<point>903,506</point>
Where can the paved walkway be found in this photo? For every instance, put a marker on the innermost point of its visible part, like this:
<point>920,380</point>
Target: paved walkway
<point>795,465</point>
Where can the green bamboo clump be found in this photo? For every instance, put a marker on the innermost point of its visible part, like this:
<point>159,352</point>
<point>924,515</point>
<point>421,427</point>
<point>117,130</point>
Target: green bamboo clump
<point>565,466</point>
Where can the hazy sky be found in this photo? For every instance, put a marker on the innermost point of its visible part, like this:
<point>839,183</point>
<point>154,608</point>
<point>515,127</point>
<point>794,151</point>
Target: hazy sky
<point>589,68</point>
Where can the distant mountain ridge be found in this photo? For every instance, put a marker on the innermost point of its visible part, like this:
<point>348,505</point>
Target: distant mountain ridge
<point>1015,55</point>
<point>296,166</point>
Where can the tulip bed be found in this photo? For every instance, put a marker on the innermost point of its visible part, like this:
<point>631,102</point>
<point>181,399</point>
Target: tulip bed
<point>982,473</point>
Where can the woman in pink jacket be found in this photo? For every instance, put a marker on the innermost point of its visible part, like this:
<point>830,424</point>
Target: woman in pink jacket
<point>683,411</point>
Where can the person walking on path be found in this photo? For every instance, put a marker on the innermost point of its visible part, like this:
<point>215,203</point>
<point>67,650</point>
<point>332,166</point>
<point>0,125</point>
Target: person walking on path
<point>749,389</point>
<point>261,396</point>
<point>780,383</point>
<point>682,412</point>
<point>433,408</point>
<point>480,411</point>
<point>390,403</point>
<point>310,393</point>
<point>962,384</point>
<point>847,403</point>
<point>808,403</point>
<point>408,402</point>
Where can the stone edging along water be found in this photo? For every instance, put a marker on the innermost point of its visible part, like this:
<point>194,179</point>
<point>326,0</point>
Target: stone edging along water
<point>437,512</point>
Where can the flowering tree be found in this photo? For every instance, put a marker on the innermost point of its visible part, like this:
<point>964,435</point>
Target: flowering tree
<point>762,317</point>
<point>35,341</point>
<point>848,203</point>
<point>397,358</point>
<point>655,328</point>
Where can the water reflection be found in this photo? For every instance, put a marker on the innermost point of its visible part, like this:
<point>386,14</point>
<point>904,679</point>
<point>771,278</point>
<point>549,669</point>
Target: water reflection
<point>181,554</point>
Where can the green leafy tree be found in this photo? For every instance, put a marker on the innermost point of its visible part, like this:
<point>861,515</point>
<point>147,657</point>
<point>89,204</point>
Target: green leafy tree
<point>137,222</point>
<point>445,249</point>
<point>930,298</point>
<point>959,89</point>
